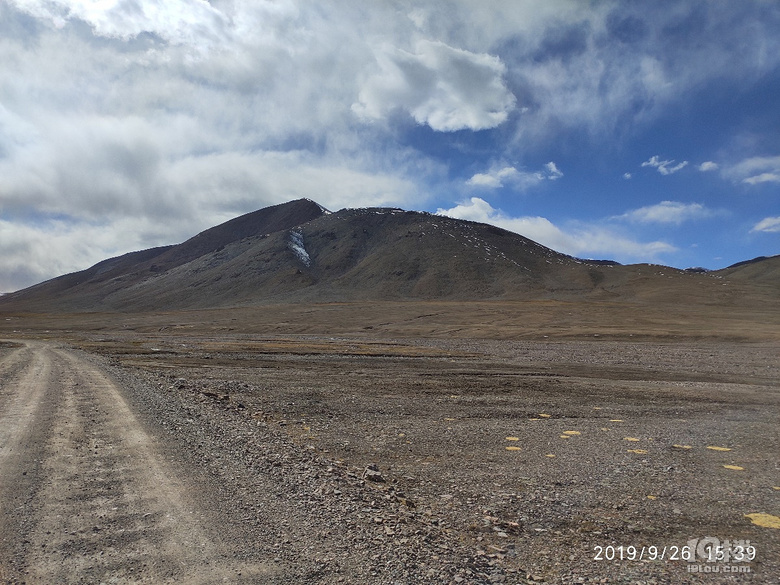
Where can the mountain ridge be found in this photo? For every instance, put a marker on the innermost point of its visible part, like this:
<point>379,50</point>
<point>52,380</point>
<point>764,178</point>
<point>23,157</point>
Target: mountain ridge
<point>300,252</point>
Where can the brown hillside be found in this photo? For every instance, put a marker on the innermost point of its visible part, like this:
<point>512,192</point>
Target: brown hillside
<point>296,252</point>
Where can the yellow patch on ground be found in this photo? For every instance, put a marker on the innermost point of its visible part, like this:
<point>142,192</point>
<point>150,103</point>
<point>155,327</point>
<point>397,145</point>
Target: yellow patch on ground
<point>512,448</point>
<point>734,467</point>
<point>513,438</point>
<point>638,451</point>
<point>541,414</point>
<point>652,497</point>
<point>776,487</point>
<point>596,408</point>
<point>565,437</point>
<point>632,439</point>
<point>401,434</point>
<point>550,455</point>
<point>765,520</point>
<point>682,446</point>
<point>604,429</point>
<point>572,433</point>
<point>449,419</point>
<point>534,419</point>
<point>718,448</point>
<point>616,420</point>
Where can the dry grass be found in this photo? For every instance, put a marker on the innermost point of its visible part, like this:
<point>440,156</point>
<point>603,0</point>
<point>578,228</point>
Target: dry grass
<point>433,319</point>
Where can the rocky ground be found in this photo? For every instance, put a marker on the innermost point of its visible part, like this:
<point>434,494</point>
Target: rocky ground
<point>447,461</point>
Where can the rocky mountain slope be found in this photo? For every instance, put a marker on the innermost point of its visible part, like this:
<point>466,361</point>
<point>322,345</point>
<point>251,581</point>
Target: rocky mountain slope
<point>300,252</point>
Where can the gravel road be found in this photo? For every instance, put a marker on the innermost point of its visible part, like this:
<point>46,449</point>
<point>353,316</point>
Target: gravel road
<point>86,494</point>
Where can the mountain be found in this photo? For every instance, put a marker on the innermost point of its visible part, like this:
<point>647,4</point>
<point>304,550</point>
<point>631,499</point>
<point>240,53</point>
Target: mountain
<point>299,252</point>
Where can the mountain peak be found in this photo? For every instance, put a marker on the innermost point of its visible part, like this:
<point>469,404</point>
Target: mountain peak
<point>262,222</point>
<point>307,200</point>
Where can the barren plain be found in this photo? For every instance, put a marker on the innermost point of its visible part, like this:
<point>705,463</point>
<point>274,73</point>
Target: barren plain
<point>418,442</point>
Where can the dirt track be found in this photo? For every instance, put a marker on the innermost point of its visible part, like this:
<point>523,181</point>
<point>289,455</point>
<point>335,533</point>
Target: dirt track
<point>85,493</point>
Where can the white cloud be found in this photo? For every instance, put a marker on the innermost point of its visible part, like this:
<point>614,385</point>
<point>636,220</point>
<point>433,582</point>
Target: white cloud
<point>664,166</point>
<point>445,87</point>
<point>508,176</point>
<point>606,66</point>
<point>708,166</point>
<point>553,173</point>
<point>755,170</point>
<point>667,212</point>
<point>114,169</point>
<point>580,240</point>
<point>768,224</point>
<point>763,178</point>
<point>627,176</point>
<point>494,179</point>
<point>193,22</point>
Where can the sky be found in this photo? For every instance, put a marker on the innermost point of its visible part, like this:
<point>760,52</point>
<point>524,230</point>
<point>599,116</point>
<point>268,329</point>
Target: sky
<point>622,130</point>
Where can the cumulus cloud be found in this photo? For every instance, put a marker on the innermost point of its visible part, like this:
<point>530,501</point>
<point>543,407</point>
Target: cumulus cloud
<point>667,212</point>
<point>179,21</point>
<point>708,166</point>
<point>578,240</point>
<point>508,176</point>
<point>768,224</point>
<point>495,178</point>
<point>445,87</point>
<point>665,167</point>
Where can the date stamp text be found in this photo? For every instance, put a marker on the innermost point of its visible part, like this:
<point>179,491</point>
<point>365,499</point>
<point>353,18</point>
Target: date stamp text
<point>702,555</point>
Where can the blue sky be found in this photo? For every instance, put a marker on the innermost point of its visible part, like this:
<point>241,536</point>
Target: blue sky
<point>633,131</point>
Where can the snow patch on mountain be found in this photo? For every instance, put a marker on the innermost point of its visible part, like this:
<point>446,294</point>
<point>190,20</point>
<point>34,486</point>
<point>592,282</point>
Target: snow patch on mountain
<point>296,245</point>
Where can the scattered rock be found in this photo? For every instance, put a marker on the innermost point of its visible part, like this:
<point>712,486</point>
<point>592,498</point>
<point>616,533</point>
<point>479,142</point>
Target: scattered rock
<point>372,473</point>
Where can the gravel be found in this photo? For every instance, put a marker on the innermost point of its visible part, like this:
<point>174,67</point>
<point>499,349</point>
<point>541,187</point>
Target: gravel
<point>355,467</point>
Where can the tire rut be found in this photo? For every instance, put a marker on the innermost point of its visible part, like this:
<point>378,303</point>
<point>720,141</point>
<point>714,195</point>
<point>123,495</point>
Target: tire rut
<point>24,419</point>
